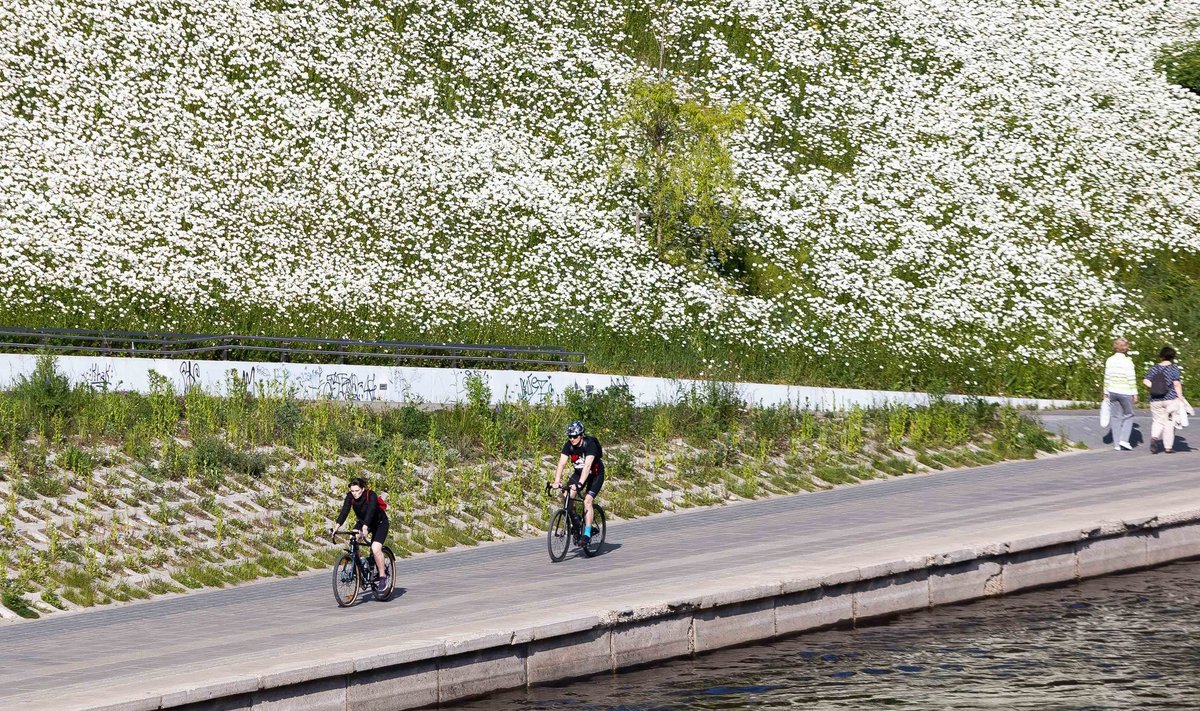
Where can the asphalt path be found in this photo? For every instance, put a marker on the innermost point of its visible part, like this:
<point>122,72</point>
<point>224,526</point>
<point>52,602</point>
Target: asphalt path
<point>494,586</point>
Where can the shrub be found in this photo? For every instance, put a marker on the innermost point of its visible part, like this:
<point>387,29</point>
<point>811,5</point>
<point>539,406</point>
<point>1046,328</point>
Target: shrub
<point>708,410</point>
<point>771,423</point>
<point>897,422</point>
<point>78,461</point>
<point>251,463</point>
<point>357,441</point>
<point>46,392</point>
<point>1181,64</point>
<point>47,484</point>
<point>164,406</point>
<point>479,395</point>
<point>1018,436</point>
<point>408,421</point>
<point>680,167</point>
<point>213,454</point>
<point>920,425</point>
<point>211,451</point>
<point>288,418</point>
<point>202,412</point>
<point>608,412</point>
<point>15,423</point>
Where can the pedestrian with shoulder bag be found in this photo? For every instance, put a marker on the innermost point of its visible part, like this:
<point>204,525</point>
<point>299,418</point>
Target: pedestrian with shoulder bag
<point>1165,383</point>
<point>1120,394</point>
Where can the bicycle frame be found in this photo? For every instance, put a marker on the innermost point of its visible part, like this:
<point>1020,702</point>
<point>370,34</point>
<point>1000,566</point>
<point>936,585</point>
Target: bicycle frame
<point>575,518</point>
<point>356,541</point>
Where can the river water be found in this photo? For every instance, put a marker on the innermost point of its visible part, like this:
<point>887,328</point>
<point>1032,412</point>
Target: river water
<point>1127,641</point>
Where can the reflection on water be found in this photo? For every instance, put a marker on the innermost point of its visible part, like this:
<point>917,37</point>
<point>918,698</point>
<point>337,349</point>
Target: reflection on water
<point>1123,642</point>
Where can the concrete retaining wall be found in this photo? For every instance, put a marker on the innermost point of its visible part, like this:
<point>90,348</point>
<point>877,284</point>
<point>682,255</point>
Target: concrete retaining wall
<point>422,673</point>
<point>366,383</point>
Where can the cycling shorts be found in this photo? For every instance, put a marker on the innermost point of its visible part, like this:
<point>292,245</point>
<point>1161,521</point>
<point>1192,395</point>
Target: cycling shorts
<point>379,535</point>
<point>594,483</point>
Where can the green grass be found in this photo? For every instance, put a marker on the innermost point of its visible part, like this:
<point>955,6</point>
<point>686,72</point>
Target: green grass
<point>124,592</point>
<point>276,565</point>
<point>13,600</point>
<point>160,586</point>
<point>51,598</point>
<point>201,576</point>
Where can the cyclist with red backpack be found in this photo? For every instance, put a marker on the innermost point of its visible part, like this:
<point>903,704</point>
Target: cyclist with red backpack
<point>370,513</point>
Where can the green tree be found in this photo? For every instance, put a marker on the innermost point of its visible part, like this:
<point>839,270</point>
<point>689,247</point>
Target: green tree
<point>679,167</point>
<point>1181,64</point>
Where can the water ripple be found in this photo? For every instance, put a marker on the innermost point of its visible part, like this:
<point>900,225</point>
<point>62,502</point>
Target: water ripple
<point>1122,642</point>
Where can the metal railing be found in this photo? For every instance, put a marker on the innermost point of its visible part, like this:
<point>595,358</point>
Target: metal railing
<point>141,344</point>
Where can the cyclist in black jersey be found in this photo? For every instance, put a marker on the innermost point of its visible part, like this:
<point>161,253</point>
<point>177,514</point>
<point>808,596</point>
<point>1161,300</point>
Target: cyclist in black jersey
<point>370,519</point>
<point>587,456</point>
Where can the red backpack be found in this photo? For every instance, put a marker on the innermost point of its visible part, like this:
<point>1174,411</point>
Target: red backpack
<point>378,501</point>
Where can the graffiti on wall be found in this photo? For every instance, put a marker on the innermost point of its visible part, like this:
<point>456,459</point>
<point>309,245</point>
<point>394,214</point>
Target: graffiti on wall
<point>347,386</point>
<point>99,377</point>
<point>319,384</point>
<point>189,372</point>
<point>533,386</point>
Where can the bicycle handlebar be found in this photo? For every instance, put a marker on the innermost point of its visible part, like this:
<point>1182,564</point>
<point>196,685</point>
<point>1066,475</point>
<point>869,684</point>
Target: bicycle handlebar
<point>565,488</point>
<point>353,534</point>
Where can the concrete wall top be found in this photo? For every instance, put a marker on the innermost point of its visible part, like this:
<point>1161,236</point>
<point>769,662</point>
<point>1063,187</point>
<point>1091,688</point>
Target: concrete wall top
<point>368,383</point>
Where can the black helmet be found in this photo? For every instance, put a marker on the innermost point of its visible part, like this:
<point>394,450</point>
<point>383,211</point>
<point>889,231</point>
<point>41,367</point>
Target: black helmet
<point>575,429</point>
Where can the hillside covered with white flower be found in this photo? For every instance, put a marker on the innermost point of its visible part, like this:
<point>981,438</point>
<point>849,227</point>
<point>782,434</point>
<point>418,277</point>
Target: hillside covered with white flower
<point>969,193</point>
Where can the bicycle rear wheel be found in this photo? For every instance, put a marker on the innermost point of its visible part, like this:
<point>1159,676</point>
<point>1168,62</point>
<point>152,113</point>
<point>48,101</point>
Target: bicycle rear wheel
<point>598,529</point>
<point>389,570</point>
<point>558,535</point>
<point>345,581</point>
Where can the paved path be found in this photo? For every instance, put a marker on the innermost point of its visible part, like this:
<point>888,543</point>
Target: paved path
<point>75,659</point>
<point>1084,426</point>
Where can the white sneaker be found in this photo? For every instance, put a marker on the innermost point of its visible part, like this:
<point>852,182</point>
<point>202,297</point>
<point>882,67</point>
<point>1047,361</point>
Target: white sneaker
<point>1117,447</point>
<point>1125,446</point>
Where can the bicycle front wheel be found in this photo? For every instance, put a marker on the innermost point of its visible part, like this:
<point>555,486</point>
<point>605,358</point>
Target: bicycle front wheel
<point>598,529</point>
<point>558,535</point>
<point>389,569</point>
<point>345,581</point>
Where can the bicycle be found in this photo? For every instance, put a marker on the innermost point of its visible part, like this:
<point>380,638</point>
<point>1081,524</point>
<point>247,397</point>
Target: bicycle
<point>566,526</point>
<point>353,571</point>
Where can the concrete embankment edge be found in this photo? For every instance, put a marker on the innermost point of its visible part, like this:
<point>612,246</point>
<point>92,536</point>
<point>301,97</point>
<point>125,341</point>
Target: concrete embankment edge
<point>639,631</point>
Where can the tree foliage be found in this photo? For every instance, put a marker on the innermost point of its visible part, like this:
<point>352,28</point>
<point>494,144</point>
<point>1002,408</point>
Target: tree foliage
<point>680,169</point>
<point>1181,64</point>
